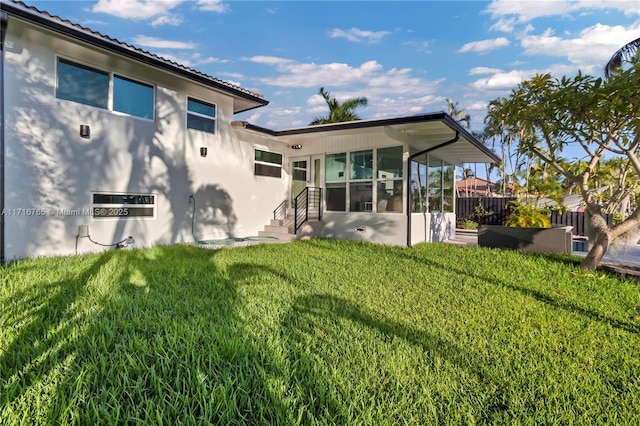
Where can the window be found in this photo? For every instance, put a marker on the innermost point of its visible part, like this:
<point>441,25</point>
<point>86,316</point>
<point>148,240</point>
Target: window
<point>432,185</point>
<point>361,164</point>
<point>335,166</point>
<point>201,116</point>
<point>373,182</point>
<point>89,86</point>
<point>389,167</point>
<point>336,197</point>
<point>268,164</point>
<point>82,84</point>
<point>132,97</point>
<point>123,206</point>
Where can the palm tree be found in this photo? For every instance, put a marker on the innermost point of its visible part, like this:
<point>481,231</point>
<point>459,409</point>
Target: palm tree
<point>625,54</point>
<point>457,114</point>
<point>339,112</point>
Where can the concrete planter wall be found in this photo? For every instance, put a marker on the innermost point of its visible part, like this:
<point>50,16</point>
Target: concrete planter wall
<point>537,240</point>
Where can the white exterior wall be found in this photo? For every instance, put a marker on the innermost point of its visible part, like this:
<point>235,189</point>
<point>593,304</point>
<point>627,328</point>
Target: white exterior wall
<point>386,228</point>
<point>49,166</point>
<point>432,227</point>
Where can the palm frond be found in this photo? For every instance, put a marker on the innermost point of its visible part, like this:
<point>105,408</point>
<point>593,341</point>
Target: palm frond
<point>624,54</point>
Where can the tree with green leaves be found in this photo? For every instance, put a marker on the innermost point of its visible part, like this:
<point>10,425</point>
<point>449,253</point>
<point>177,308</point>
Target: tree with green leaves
<point>602,117</point>
<point>339,111</point>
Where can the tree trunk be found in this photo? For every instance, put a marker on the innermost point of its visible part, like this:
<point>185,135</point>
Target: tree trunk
<point>599,233</point>
<point>597,251</point>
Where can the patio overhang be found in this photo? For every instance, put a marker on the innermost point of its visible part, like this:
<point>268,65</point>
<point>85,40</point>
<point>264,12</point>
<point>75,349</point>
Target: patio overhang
<point>419,132</point>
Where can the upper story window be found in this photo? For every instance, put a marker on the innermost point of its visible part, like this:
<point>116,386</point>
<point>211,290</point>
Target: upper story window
<point>132,97</point>
<point>79,83</point>
<point>90,86</point>
<point>201,116</point>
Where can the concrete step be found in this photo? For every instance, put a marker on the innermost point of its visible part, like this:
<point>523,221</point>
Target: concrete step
<point>281,222</point>
<point>278,229</point>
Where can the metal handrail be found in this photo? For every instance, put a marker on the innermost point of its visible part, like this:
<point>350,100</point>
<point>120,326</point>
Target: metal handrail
<point>301,206</point>
<point>280,212</point>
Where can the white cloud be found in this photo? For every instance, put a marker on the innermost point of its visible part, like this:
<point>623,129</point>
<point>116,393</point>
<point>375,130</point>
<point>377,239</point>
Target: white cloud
<point>158,43</point>
<point>504,24</point>
<point>174,20</point>
<point>525,11</point>
<point>254,117</point>
<point>358,36</point>
<point>295,74</point>
<point>421,46</point>
<point>481,46</point>
<point>589,51</point>
<point>484,70</point>
<point>212,6</point>
<point>503,80</point>
<point>270,60</point>
<point>135,9</point>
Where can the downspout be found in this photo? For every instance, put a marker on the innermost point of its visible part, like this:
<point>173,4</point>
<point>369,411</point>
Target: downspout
<point>411,157</point>
<point>4,20</point>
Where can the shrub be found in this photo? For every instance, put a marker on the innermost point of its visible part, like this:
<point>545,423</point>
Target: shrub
<point>526,216</point>
<point>467,224</point>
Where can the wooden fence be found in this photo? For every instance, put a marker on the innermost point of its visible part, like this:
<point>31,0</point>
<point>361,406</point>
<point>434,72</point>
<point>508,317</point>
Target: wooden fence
<point>467,208</point>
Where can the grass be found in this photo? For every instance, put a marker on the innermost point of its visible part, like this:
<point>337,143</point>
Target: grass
<point>317,332</point>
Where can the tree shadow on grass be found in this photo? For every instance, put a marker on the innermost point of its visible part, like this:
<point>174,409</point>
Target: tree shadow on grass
<point>548,299</point>
<point>46,323</point>
<point>171,347</point>
<point>314,321</point>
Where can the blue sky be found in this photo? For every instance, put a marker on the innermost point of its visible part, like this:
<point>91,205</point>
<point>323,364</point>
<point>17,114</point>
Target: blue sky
<point>405,57</point>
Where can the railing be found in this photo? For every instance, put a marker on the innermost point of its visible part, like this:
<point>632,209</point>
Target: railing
<point>307,200</point>
<point>280,212</point>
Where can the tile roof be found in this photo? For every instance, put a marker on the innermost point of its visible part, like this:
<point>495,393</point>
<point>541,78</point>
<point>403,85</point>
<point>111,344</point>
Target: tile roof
<point>138,51</point>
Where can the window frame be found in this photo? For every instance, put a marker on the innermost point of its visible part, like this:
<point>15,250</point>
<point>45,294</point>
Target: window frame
<point>136,81</point>
<point>213,118</point>
<point>85,66</point>
<point>110,91</point>
<point>257,163</point>
<point>347,180</point>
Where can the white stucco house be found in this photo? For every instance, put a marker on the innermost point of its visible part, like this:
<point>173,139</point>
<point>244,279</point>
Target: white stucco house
<point>102,139</point>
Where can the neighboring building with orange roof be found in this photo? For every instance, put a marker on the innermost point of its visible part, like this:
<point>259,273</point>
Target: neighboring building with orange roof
<point>477,187</point>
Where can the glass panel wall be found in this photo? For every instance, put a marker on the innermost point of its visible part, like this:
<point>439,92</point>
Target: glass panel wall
<point>361,164</point>
<point>335,166</point>
<point>448,182</point>
<point>361,196</point>
<point>389,162</point>
<point>419,185</point>
<point>336,197</point>
<point>373,182</point>
<point>432,185</point>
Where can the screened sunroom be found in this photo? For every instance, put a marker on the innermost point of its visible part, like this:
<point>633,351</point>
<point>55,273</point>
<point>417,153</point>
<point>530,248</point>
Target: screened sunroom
<point>390,180</point>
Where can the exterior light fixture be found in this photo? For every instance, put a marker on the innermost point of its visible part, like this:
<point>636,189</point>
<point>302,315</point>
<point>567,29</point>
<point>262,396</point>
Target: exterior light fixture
<point>203,151</point>
<point>85,131</point>
<point>296,146</point>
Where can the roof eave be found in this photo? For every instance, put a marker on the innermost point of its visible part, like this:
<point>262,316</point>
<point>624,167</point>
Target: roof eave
<point>85,37</point>
<point>455,126</point>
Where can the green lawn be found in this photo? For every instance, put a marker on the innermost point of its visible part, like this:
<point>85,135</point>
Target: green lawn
<point>317,332</point>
